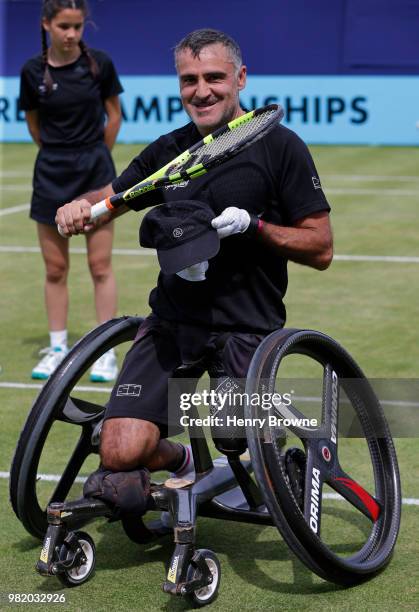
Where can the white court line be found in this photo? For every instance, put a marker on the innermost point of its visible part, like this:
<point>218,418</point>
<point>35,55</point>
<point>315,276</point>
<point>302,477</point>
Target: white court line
<point>14,209</point>
<point>369,178</point>
<point>151,252</point>
<point>301,398</point>
<point>46,477</point>
<point>401,178</point>
<point>14,174</point>
<point>77,250</point>
<point>406,501</point>
<point>15,187</point>
<point>387,258</point>
<point>17,385</point>
<point>398,403</point>
<point>331,190</point>
<point>367,192</point>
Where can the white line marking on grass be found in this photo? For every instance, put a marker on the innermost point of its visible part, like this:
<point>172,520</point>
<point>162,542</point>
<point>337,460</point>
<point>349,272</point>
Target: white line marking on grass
<point>398,403</point>
<point>79,251</point>
<point>46,477</point>
<point>14,209</point>
<point>386,258</point>
<point>92,389</point>
<point>152,253</point>
<point>17,385</point>
<point>358,178</point>
<point>406,501</point>
<point>19,249</point>
<point>14,174</point>
<point>15,187</point>
<point>399,193</point>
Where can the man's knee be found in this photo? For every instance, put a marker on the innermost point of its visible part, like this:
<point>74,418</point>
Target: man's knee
<point>127,443</point>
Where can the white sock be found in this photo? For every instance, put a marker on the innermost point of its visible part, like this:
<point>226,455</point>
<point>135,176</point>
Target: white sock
<point>58,339</point>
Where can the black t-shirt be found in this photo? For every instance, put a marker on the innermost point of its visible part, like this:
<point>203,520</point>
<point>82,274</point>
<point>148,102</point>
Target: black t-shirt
<point>72,114</point>
<point>246,281</point>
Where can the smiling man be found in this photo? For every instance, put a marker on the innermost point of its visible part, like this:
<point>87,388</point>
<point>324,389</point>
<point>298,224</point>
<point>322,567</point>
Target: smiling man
<point>211,75</point>
<point>268,207</point>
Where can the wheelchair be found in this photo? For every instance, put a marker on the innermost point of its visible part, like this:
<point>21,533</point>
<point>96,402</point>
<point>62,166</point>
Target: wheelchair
<point>282,481</point>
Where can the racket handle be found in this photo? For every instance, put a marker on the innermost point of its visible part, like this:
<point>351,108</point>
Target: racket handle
<point>97,210</point>
<point>101,208</point>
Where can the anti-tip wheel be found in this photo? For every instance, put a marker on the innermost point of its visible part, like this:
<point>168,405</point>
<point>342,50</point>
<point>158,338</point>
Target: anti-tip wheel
<point>207,594</point>
<point>80,573</point>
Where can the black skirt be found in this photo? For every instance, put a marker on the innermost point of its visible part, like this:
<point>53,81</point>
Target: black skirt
<point>61,175</point>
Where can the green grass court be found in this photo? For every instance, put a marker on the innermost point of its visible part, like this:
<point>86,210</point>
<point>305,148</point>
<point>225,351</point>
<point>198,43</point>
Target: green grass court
<point>368,301</point>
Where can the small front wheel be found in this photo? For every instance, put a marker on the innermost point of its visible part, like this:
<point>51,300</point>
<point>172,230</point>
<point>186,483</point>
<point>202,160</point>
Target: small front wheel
<point>205,595</point>
<point>83,571</point>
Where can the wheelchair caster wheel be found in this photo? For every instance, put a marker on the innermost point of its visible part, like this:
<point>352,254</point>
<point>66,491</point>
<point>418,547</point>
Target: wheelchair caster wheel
<point>84,569</point>
<point>205,595</point>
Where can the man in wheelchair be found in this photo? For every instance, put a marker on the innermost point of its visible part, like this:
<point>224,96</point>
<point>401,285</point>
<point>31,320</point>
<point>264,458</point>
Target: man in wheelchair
<point>266,207</point>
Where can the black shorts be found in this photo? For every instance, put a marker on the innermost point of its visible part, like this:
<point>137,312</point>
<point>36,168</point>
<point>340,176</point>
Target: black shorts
<point>61,175</point>
<point>141,390</point>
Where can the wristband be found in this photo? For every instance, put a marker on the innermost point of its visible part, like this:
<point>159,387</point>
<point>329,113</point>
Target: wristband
<point>261,223</point>
<point>253,227</point>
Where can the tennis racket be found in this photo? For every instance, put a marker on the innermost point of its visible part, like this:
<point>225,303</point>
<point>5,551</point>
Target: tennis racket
<point>211,151</point>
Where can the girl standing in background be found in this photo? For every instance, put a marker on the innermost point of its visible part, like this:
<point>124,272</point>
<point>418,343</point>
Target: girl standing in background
<point>67,93</point>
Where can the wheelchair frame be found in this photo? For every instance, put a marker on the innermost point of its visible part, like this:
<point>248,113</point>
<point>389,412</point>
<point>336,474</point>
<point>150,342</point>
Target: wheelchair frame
<point>223,487</point>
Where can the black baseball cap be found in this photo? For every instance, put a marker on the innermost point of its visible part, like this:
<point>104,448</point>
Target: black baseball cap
<point>181,232</point>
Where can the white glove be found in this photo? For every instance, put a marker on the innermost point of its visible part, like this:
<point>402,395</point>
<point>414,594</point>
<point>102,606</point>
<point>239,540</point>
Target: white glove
<point>232,220</point>
<point>194,273</point>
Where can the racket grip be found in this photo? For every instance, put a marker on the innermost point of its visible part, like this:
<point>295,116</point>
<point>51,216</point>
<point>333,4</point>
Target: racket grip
<point>101,208</point>
<point>97,210</point>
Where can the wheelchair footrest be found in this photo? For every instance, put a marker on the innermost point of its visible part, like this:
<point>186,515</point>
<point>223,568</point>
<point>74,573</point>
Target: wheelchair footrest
<point>232,505</point>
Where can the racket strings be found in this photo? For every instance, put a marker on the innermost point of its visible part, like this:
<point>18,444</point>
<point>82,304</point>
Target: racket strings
<point>228,140</point>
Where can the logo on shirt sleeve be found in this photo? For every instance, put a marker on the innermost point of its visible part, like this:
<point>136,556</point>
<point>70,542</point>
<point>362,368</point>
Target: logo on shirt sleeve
<point>129,391</point>
<point>316,182</point>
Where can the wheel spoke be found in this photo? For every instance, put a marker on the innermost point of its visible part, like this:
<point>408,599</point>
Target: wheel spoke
<point>313,492</point>
<point>291,413</point>
<point>356,495</point>
<point>79,411</point>
<point>82,450</point>
<point>330,404</point>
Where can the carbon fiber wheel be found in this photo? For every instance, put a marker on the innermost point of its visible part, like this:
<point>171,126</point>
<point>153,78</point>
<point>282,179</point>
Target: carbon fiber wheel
<point>62,429</point>
<point>345,525</point>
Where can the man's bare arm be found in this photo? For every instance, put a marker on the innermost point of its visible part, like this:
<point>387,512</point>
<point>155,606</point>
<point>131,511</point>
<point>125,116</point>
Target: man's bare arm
<point>308,242</point>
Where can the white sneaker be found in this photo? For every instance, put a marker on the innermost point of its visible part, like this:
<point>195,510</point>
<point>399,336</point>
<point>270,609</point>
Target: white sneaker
<point>186,471</point>
<point>105,369</point>
<point>49,363</point>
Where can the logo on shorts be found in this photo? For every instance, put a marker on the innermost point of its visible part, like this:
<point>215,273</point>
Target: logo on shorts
<point>316,182</point>
<point>129,391</point>
<point>177,232</point>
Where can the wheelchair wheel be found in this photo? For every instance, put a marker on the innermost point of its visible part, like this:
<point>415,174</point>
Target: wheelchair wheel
<point>60,405</point>
<point>207,594</point>
<point>81,573</point>
<point>350,444</point>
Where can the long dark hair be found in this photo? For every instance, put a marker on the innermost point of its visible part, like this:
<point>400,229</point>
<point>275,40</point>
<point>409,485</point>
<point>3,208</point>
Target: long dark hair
<point>50,8</point>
